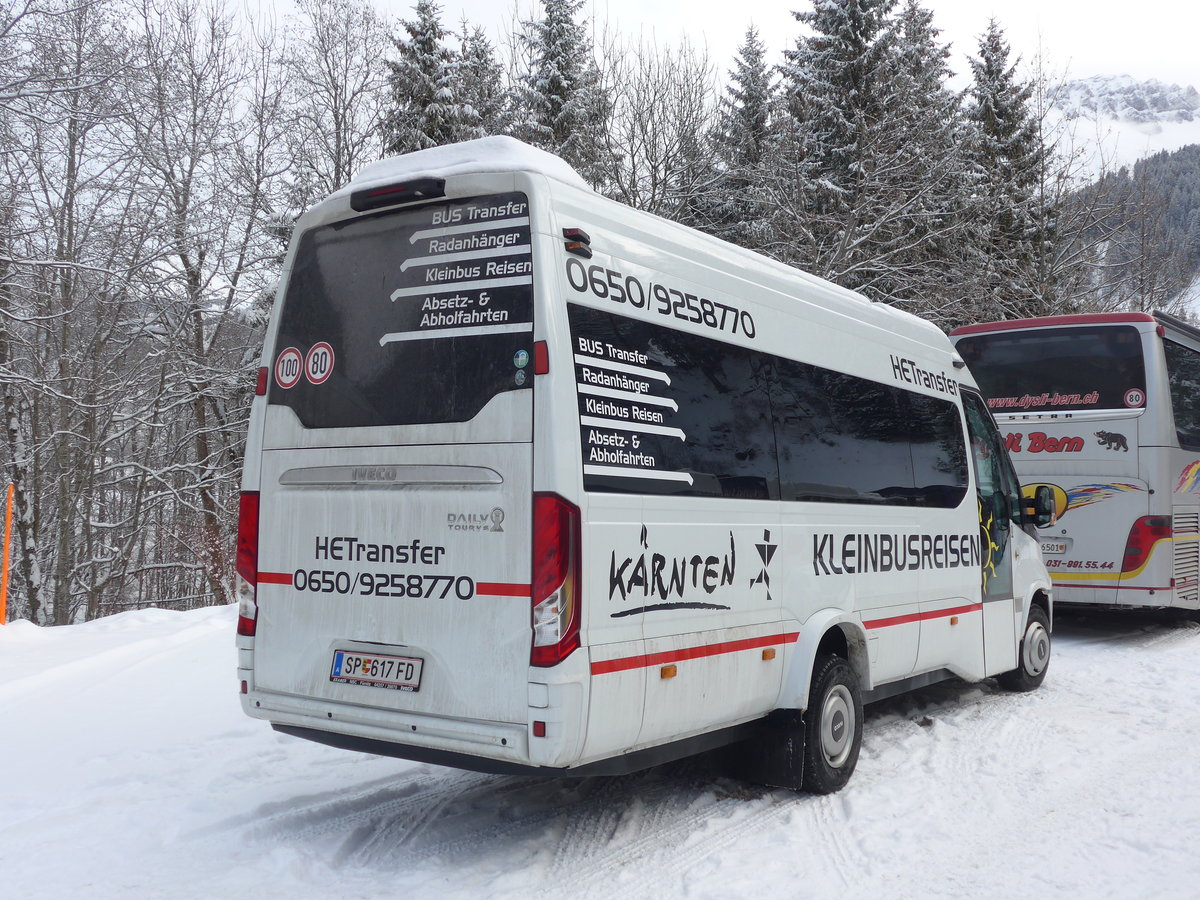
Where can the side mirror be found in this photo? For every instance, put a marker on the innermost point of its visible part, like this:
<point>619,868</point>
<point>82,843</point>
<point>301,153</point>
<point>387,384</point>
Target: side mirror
<point>1043,506</point>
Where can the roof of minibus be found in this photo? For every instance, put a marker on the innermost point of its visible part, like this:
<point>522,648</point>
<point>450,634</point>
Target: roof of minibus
<point>490,154</point>
<point>1054,322</point>
<point>505,154</point>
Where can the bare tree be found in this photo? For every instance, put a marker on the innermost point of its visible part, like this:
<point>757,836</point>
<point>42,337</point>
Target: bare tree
<point>664,101</point>
<point>337,93</point>
<point>206,127</point>
<point>61,296</point>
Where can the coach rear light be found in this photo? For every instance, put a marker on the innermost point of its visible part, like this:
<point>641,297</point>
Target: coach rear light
<point>1145,533</point>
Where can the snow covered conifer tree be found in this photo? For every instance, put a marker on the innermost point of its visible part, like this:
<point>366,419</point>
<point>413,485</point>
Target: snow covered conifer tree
<point>871,185</point>
<point>1009,158</point>
<point>561,101</point>
<point>833,144</point>
<point>482,84</point>
<point>923,243</point>
<point>741,137</point>
<point>427,108</point>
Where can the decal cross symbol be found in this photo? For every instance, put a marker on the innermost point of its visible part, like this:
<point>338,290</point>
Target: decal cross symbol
<point>766,550</point>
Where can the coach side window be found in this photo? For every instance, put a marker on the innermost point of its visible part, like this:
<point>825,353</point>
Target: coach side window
<point>1183,374</point>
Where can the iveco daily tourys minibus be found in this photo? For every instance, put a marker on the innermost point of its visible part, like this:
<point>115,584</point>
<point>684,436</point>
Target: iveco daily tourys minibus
<point>538,483</point>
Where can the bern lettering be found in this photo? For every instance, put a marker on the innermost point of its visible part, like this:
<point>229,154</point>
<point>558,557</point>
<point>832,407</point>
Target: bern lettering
<point>1040,443</point>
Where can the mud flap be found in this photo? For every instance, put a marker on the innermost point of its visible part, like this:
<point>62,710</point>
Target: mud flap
<point>774,756</point>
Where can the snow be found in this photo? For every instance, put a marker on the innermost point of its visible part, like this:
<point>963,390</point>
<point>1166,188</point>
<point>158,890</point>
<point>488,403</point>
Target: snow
<point>129,771</point>
<point>1108,144</point>
<point>490,154</point>
<point>1190,298</point>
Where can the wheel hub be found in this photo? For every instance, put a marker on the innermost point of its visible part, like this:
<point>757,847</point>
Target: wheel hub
<point>837,726</point>
<point>1036,649</point>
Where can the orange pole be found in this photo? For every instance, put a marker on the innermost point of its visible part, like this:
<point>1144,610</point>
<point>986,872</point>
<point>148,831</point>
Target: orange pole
<point>4,564</point>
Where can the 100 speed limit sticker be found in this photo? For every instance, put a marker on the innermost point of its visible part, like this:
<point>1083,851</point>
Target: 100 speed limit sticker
<point>316,365</point>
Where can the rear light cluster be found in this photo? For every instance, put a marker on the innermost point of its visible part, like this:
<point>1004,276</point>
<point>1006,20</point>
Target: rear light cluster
<point>246,582</point>
<point>556,581</point>
<point>1145,533</point>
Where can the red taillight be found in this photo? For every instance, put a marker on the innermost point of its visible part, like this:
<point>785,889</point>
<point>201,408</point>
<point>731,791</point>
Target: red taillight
<point>391,194</point>
<point>1145,533</point>
<point>247,563</point>
<point>556,597</point>
<point>260,386</point>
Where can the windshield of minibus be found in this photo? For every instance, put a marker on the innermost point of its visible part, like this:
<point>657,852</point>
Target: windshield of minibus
<point>1058,369</point>
<point>412,316</point>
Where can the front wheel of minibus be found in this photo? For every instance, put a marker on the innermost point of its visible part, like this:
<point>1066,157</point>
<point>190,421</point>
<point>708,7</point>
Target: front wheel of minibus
<point>833,726</point>
<point>1033,656</point>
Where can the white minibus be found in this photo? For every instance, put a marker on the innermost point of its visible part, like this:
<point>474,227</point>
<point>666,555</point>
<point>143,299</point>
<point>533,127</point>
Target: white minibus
<point>538,483</point>
<point>1104,410</point>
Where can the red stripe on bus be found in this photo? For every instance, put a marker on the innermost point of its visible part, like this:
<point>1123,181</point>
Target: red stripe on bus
<point>499,589</point>
<point>274,577</point>
<point>603,667</point>
<point>918,617</point>
<point>1053,321</point>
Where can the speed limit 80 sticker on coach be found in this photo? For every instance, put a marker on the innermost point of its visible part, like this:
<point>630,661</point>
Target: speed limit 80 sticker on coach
<point>316,365</point>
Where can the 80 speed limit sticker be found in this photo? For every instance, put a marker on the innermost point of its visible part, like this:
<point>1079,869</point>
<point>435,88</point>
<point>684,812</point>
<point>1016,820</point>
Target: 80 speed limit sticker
<point>318,364</point>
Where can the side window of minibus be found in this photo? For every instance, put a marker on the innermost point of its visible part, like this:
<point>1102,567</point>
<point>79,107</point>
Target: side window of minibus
<point>1012,489</point>
<point>997,484</point>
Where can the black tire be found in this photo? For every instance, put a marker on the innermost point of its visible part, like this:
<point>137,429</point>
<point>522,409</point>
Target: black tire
<point>1033,654</point>
<point>833,726</point>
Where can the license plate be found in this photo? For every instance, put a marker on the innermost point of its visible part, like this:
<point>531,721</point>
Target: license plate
<point>396,673</point>
<point>1055,547</point>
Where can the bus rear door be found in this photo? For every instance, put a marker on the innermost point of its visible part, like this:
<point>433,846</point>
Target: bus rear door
<point>395,498</point>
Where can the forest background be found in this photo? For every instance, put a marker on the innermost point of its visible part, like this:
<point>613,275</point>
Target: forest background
<point>157,153</point>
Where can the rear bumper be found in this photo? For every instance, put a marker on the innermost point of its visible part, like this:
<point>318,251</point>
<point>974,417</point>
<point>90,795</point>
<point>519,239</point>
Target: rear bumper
<point>500,742</point>
<point>616,765</point>
<point>1067,595</point>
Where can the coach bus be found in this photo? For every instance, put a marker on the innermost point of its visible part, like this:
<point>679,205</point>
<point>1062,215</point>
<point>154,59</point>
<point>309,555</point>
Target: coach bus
<point>1104,410</point>
<point>538,483</point>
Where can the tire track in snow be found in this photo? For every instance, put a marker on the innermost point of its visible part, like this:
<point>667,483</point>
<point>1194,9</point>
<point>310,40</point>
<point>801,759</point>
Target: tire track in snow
<point>332,811</point>
<point>389,829</point>
<point>681,826</point>
<point>661,825</point>
<point>557,814</point>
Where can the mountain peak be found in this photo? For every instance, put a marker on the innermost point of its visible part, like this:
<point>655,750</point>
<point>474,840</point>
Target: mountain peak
<point>1121,98</point>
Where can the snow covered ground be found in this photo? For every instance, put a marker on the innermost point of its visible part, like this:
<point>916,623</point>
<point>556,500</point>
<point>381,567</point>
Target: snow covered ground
<point>128,771</point>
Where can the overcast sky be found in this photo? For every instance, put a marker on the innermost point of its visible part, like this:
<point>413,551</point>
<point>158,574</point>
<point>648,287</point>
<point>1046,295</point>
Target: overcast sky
<point>1146,39</point>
